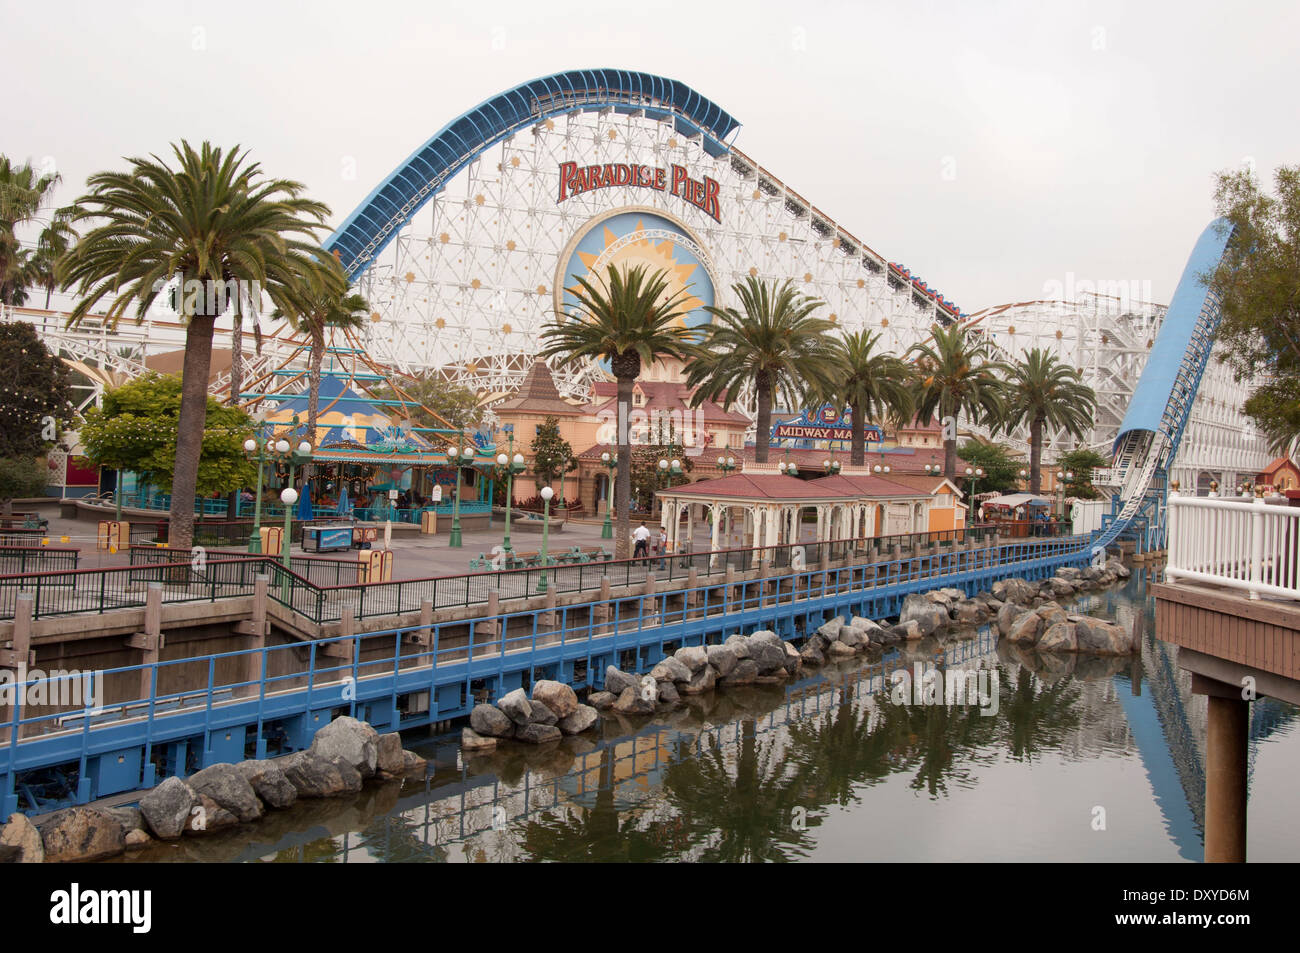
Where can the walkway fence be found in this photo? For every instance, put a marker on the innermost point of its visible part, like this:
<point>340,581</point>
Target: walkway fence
<point>1235,542</point>
<point>321,589</point>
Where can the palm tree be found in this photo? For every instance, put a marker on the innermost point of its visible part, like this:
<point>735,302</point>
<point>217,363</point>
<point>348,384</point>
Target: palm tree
<point>955,373</point>
<point>1044,390</point>
<point>53,245</point>
<point>341,312</point>
<point>212,220</point>
<point>873,385</point>
<point>23,192</point>
<point>776,343</point>
<point>630,321</point>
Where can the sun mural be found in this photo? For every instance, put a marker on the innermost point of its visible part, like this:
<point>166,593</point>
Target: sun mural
<point>654,251</point>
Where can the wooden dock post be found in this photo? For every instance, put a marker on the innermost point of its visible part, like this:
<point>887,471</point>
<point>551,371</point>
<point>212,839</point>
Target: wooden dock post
<point>150,641</point>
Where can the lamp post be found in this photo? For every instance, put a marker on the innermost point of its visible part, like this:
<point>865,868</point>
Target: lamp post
<point>564,466</point>
<point>1061,477</point>
<point>788,466</point>
<point>289,496</point>
<point>610,460</point>
<point>830,466</point>
<point>258,445</point>
<point>669,469</point>
<point>974,477</point>
<point>457,456</point>
<point>726,464</point>
<point>547,493</point>
<point>881,470</point>
<point>1024,475</point>
<point>508,465</point>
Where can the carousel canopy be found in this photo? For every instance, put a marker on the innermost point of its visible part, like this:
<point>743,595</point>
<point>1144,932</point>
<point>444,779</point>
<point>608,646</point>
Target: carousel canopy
<point>350,427</point>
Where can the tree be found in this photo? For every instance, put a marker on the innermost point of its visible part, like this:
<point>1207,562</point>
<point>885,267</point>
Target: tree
<point>35,399</point>
<point>23,193</point>
<point>53,245</point>
<point>431,401</point>
<point>956,374</point>
<point>874,386</point>
<point>334,311</point>
<point>22,477</point>
<point>1044,391</point>
<point>776,343</point>
<point>1258,285</point>
<point>629,320</point>
<point>136,430</point>
<point>1001,469</point>
<point>213,220</point>
<point>552,454</point>
<point>1081,463</point>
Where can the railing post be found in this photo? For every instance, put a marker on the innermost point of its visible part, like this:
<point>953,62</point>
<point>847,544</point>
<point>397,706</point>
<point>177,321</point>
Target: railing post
<point>1256,545</point>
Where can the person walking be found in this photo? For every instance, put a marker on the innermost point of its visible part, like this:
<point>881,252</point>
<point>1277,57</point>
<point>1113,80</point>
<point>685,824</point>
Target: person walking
<point>641,537</point>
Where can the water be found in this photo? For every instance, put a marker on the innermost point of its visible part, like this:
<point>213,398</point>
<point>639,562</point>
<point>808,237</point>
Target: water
<point>1094,760</point>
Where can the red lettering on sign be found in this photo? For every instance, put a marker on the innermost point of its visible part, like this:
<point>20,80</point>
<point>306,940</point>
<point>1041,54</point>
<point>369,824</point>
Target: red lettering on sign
<point>659,179</point>
<point>567,172</point>
<point>593,177</point>
<point>711,199</point>
<point>679,179</point>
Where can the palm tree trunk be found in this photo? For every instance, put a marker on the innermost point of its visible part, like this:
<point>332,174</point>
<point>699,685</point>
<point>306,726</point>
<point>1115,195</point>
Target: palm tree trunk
<point>192,418</point>
<point>858,443</point>
<point>763,436</point>
<point>313,382</point>
<point>1035,454</point>
<point>236,360</point>
<point>950,459</point>
<point>623,477</point>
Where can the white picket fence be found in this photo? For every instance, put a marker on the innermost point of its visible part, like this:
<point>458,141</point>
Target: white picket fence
<point>1238,543</point>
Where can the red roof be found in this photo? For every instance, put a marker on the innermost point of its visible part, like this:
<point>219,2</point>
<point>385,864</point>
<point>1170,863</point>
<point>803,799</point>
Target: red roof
<point>760,486</point>
<point>874,486</point>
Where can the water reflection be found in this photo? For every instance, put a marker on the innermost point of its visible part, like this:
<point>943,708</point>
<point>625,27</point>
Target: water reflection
<point>829,767</point>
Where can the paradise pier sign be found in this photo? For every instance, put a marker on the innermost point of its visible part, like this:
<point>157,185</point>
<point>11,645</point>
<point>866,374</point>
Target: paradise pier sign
<point>824,423</point>
<point>702,193</point>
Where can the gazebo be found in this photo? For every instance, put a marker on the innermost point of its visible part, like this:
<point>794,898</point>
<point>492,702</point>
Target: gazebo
<point>768,510</point>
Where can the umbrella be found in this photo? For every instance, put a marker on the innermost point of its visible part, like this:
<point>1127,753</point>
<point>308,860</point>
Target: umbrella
<point>344,507</point>
<point>304,503</point>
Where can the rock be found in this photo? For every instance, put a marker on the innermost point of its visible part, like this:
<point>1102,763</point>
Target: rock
<point>471,740</point>
<point>136,839</point>
<point>886,635</point>
<point>536,733</point>
<point>745,672</point>
<point>1069,573</point>
<point>514,705</point>
<point>967,612</point>
<point>1116,567</point>
<point>768,655</point>
<point>412,763</point>
<point>671,670</point>
<point>602,700</point>
<point>812,655</point>
<point>1026,629</point>
<point>940,598</point>
<point>702,681</point>
<point>558,697</point>
<point>928,616</point>
<point>1014,589</point>
<point>630,702</point>
<point>540,714</point>
<point>1059,637</point>
<point>865,627</point>
<point>491,722</point>
<point>352,741</point>
<point>1099,637</point>
<point>1007,615</point>
<point>838,649</point>
<point>131,818</point>
<point>817,641</point>
<point>166,808</point>
<point>908,630</point>
<point>721,659</point>
<point>226,785</point>
<point>1051,613</point>
<point>269,783</point>
<point>792,660</point>
<point>765,636</point>
<point>830,631</point>
<point>582,718</point>
<point>351,777</point>
<point>20,833</point>
<point>208,816</point>
<point>1061,588</point>
<point>81,834</point>
<point>738,645</point>
<point>668,694</point>
<point>849,637</point>
<point>694,657</point>
<point>956,595</point>
<point>388,763</point>
<point>650,690</point>
<point>310,775</point>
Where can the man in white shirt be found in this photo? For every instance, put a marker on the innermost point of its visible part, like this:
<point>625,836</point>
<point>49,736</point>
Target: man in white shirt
<point>642,537</point>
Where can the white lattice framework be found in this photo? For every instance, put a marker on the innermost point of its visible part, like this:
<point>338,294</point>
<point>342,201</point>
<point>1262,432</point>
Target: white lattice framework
<point>470,285</point>
<point>1108,339</point>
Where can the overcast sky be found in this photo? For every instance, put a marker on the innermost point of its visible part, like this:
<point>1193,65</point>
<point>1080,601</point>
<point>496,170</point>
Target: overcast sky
<point>992,147</point>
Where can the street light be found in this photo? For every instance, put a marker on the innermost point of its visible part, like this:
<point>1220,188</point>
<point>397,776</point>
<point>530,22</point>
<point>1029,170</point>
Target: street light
<point>726,464</point>
<point>547,493</point>
<point>265,447</point>
<point>457,456</point>
<point>974,475</point>
<point>669,469</point>
<point>610,460</point>
<point>881,469</point>
<point>289,496</point>
<point>831,466</point>
<point>1061,477</point>
<point>508,466</point>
